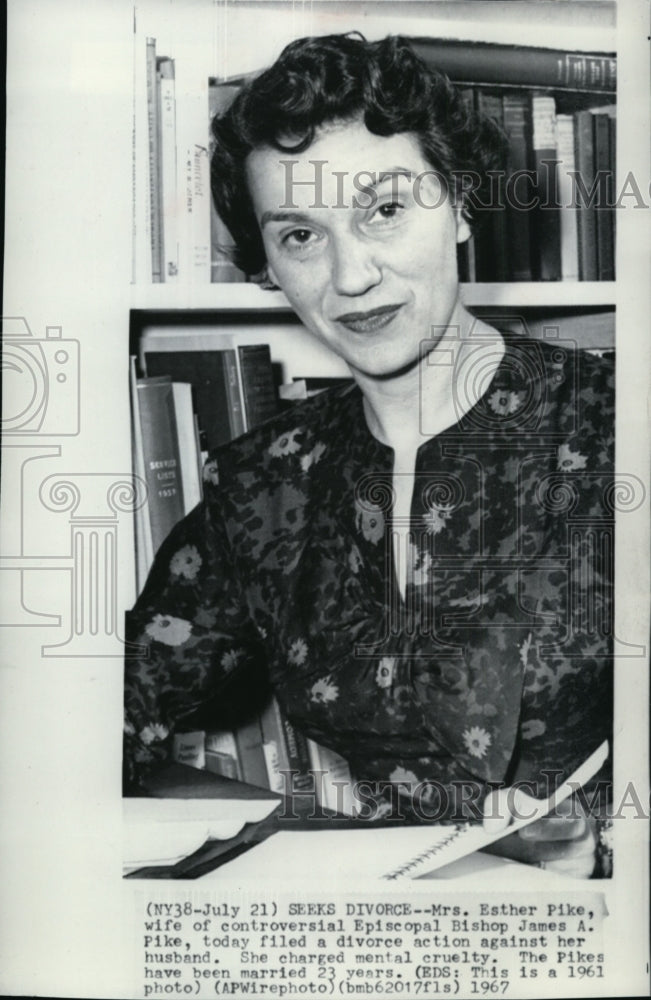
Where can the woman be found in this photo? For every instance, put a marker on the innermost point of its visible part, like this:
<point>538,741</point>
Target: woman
<point>400,558</point>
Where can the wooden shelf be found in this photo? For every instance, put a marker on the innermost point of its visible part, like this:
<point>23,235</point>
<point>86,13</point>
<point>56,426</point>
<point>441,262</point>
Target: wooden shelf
<point>243,297</point>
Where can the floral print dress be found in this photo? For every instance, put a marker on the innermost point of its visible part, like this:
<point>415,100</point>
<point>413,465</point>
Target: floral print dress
<point>495,663</point>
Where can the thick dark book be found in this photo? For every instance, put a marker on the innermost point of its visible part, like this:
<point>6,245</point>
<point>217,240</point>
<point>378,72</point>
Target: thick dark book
<point>215,388</point>
<point>491,256</point>
<point>605,187</point>
<point>519,65</point>
<point>546,219</point>
<point>258,386</point>
<point>160,451</point>
<point>519,186</point>
<point>586,218</point>
<point>612,135</point>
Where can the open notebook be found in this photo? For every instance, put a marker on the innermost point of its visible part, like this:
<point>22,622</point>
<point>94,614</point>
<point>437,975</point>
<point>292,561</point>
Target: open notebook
<point>388,854</point>
<point>391,854</point>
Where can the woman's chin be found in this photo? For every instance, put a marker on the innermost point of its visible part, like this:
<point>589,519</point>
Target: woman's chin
<point>383,368</point>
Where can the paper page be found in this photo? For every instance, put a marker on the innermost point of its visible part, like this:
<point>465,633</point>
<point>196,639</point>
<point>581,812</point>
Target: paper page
<point>163,831</point>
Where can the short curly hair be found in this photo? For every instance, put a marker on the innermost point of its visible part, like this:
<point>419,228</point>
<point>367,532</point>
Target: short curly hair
<point>318,80</point>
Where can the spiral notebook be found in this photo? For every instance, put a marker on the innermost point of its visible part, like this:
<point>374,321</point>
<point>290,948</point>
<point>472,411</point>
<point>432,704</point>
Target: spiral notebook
<point>389,854</point>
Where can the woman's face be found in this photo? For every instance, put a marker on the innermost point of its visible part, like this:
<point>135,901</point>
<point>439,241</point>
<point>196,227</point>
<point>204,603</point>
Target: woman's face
<point>361,238</point>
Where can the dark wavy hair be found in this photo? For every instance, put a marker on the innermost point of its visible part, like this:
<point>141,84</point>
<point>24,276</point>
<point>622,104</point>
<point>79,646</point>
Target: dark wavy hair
<point>343,78</point>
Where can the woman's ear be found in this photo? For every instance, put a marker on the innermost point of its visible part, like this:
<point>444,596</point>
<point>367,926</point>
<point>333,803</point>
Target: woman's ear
<point>267,279</point>
<point>464,232</point>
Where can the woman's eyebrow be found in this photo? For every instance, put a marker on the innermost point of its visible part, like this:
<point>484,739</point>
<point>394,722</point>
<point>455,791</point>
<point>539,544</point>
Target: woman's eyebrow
<point>386,175</point>
<point>282,217</point>
<point>376,179</point>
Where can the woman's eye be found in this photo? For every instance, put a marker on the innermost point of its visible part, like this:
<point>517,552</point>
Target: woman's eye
<point>298,237</point>
<point>389,210</point>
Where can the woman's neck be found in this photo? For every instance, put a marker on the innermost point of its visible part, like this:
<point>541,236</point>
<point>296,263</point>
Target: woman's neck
<point>433,394</point>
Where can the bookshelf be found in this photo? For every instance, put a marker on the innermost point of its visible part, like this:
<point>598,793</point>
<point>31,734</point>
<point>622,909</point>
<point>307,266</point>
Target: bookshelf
<point>248,297</point>
<point>216,43</point>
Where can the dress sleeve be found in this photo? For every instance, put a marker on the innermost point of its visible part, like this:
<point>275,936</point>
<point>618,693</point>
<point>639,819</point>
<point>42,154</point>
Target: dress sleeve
<point>195,639</point>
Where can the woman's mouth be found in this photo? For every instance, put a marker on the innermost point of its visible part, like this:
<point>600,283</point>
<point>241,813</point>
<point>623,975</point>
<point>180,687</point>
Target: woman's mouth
<point>367,322</point>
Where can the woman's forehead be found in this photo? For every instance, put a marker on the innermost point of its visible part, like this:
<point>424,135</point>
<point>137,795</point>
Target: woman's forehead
<point>342,157</point>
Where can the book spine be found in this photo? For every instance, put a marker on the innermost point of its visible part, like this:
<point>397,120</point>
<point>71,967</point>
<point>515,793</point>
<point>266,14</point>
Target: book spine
<point>194,172</point>
<point>518,185</point>
<point>201,199</point>
<point>275,748</point>
<point>586,212</point>
<point>221,754</point>
<point>222,269</point>
<point>568,222</point>
<point>248,738</point>
<point>156,238</point>
<point>491,256</point>
<point>161,456</point>
<point>604,211</point>
<point>222,763</point>
<point>333,781</point>
<point>188,748</point>
<point>188,450</point>
<point>612,147</point>
<point>168,176</point>
<point>205,372</point>
<point>258,387</point>
<point>232,385</point>
<point>299,759</point>
<point>142,527</point>
<point>547,223</point>
<point>520,65</point>
<point>273,762</point>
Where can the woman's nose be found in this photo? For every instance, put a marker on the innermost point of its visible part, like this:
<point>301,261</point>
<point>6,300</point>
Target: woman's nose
<point>355,268</point>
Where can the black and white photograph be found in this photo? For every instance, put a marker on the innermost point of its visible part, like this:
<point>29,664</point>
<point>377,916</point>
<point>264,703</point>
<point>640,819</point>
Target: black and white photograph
<point>325,521</point>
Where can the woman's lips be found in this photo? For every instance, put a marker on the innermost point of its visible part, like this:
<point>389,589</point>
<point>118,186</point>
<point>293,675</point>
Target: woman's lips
<point>367,322</point>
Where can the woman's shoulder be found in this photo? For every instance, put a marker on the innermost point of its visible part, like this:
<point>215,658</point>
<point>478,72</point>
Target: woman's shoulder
<point>565,372</point>
<point>295,433</point>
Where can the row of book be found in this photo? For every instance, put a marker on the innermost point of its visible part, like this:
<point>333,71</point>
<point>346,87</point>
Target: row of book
<point>191,398</point>
<point>563,165</point>
<point>270,753</point>
<point>540,97</point>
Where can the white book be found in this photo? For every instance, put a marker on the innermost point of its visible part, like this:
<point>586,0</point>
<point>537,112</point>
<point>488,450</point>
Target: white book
<point>188,748</point>
<point>140,167</point>
<point>142,525</point>
<point>273,758</point>
<point>168,174</point>
<point>188,450</point>
<point>333,781</point>
<point>565,190</point>
<point>193,165</point>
